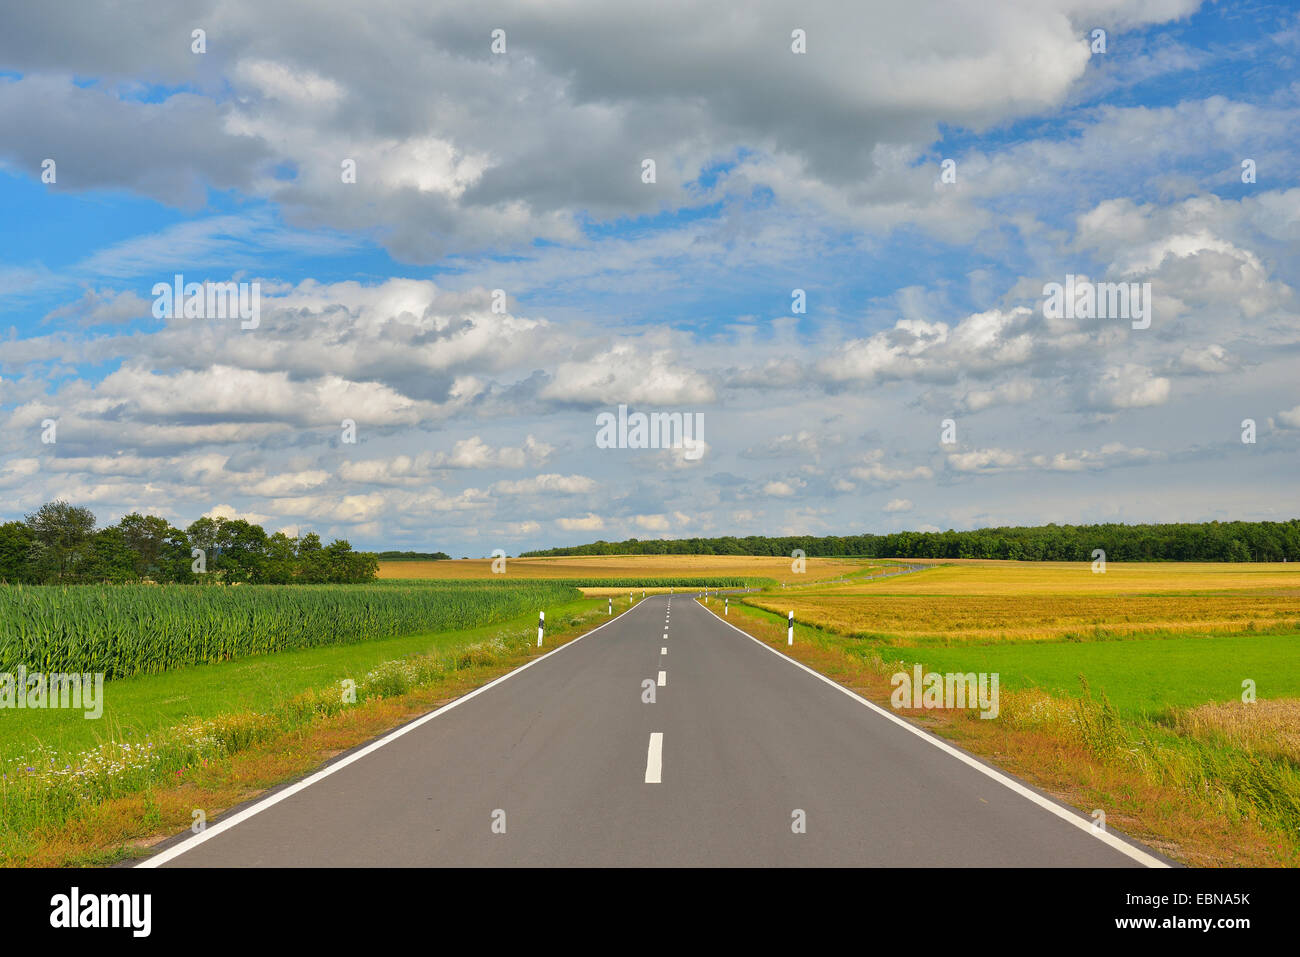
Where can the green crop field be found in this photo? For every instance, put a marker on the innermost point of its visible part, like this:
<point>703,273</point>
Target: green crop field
<point>1139,677</point>
<point>126,630</point>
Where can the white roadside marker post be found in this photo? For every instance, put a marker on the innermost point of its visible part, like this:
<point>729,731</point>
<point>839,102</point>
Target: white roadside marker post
<point>541,626</point>
<point>725,603</point>
<point>611,606</point>
<point>789,634</point>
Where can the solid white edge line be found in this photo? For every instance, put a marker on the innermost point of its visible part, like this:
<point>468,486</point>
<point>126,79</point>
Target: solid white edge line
<point>225,824</point>
<point>654,759</point>
<point>1137,854</point>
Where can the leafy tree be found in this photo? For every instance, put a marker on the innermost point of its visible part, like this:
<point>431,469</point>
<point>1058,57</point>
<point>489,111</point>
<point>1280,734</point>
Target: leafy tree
<point>312,564</point>
<point>16,540</point>
<point>176,560</point>
<point>62,535</point>
<point>110,558</point>
<point>345,565</point>
<point>241,548</point>
<point>205,535</point>
<point>59,543</point>
<point>146,536</point>
<point>281,561</point>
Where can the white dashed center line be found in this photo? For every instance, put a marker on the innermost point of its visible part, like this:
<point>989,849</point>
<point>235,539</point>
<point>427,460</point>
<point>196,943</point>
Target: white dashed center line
<point>654,759</point>
<point>663,678</point>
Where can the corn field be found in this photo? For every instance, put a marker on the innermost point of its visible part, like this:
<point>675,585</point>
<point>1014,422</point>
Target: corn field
<point>125,630</point>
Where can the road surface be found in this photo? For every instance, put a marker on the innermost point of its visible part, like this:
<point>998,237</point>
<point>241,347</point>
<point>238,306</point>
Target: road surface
<point>563,763</point>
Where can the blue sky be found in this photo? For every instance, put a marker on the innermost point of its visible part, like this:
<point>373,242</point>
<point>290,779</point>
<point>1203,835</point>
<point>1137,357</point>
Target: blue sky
<point>775,171</point>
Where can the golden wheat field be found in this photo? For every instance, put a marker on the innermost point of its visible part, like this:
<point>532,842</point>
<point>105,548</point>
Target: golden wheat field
<point>630,566</point>
<point>1069,578</point>
<point>1271,728</point>
<point>983,601</point>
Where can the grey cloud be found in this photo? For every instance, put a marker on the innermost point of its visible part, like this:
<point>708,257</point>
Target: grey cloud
<point>456,145</point>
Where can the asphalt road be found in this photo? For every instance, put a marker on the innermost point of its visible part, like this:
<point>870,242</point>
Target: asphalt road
<point>567,759</point>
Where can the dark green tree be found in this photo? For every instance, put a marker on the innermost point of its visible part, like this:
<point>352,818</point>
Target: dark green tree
<point>146,536</point>
<point>16,541</point>
<point>110,558</point>
<point>62,534</point>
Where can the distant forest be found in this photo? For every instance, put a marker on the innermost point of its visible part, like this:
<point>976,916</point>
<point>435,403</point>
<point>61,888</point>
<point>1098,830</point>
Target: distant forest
<point>412,556</point>
<point>59,544</point>
<point>1192,542</point>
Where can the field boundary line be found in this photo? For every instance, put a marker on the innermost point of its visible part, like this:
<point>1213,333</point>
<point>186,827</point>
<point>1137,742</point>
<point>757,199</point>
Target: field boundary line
<point>260,805</point>
<point>1066,814</point>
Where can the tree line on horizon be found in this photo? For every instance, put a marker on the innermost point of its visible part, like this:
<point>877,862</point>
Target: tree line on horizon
<point>1182,542</point>
<point>59,543</point>
<point>412,556</point>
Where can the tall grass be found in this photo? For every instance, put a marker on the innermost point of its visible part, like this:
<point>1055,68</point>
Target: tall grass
<point>125,630</point>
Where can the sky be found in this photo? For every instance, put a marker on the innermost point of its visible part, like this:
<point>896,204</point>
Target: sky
<point>461,261</point>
